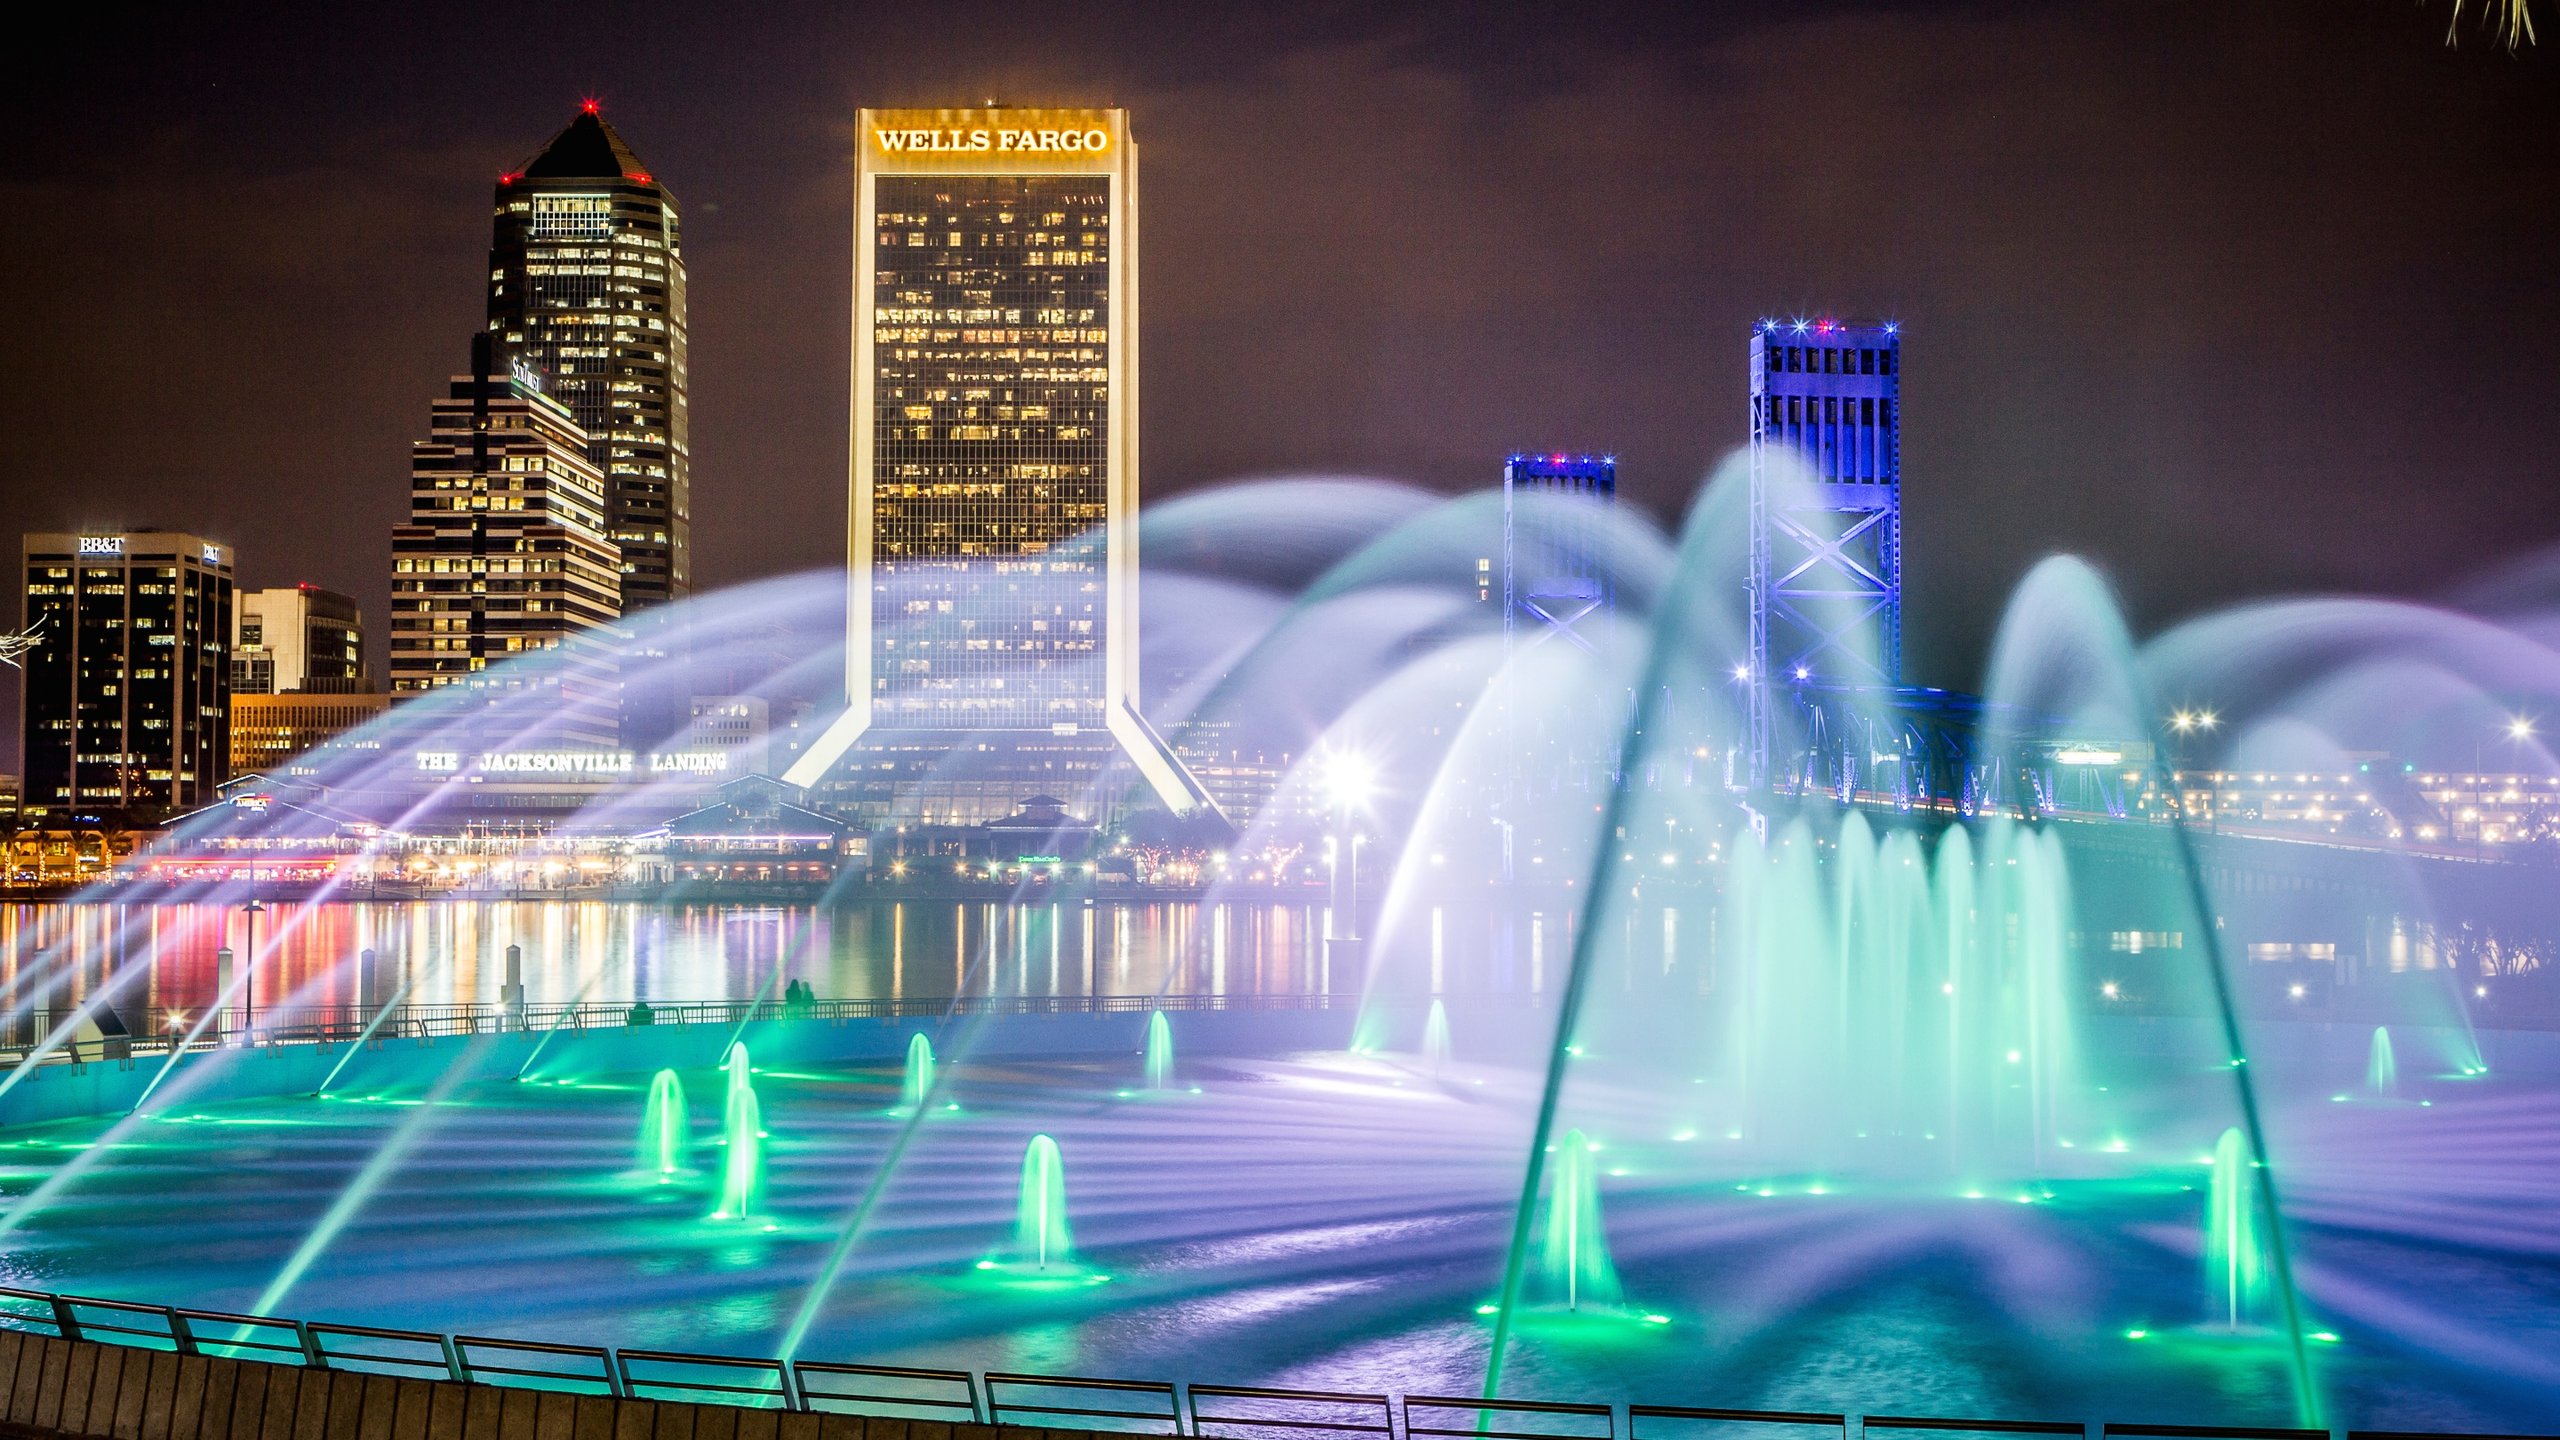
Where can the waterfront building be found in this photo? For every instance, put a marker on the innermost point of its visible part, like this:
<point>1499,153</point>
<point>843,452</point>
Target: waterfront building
<point>587,285</point>
<point>297,638</point>
<point>993,594</point>
<point>124,701</point>
<point>269,731</point>
<point>1826,554</point>
<point>505,551</point>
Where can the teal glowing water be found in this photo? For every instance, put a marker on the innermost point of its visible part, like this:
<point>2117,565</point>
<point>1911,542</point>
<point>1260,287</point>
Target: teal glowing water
<point>2381,1071</point>
<point>1041,1237</point>
<point>917,1087</point>
<point>1574,1267</point>
<point>666,1132</point>
<point>2235,1260</point>
<point>1159,1052</point>
<point>742,1132</point>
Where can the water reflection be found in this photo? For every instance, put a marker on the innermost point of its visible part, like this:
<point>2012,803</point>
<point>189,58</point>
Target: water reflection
<point>55,955</point>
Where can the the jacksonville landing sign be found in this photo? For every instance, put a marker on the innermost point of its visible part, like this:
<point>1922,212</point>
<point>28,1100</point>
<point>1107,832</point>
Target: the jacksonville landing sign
<point>605,765</point>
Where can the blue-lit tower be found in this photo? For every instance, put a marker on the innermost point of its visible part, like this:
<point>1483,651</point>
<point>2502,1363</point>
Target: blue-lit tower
<point>1552,574</point>
<point>1826,557</point>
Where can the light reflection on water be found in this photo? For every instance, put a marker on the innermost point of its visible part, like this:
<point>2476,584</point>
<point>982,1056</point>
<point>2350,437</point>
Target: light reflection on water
<point>454,950</point>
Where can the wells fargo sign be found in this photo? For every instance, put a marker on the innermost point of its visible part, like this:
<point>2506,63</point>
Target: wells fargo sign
<point>997,139</point>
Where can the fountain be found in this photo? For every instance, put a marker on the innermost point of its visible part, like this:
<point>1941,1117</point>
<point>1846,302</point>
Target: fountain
<point>1573,1245</point>
<point>1040,1235</point>
<point>2235,1261</point>
<point>742,1131</point>
<point>1159,1052</point>
<point>1834,1029</point>
<point>665,1130</point>
<point>2381,1071</point>
<point>918,1087</point>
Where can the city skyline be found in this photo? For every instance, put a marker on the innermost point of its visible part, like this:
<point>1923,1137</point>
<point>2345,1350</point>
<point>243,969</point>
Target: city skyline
<point>2113,393</point>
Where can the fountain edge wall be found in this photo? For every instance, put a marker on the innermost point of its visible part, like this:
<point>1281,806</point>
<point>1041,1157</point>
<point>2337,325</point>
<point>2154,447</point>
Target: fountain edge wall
<point>80,1388</point>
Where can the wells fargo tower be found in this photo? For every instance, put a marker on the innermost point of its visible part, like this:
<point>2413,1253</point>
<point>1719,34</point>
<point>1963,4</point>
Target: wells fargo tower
<point>993,555</point>
<point>587,284</point>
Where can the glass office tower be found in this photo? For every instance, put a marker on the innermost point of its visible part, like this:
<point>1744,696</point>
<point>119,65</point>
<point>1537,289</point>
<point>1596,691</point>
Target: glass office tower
<point>993,554</point>
<point>126,701</point>
<point>587,284</point>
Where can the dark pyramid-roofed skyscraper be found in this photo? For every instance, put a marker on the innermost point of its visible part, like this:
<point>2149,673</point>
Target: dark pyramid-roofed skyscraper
<point>587,282</point>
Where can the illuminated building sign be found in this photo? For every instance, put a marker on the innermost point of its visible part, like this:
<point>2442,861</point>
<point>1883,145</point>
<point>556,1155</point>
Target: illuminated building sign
<point>999,142</point>
<point>573,764</point>
<point>526,377</point>
<point>213,554</point>
<point>101,544</point>
<point>2088,755</point>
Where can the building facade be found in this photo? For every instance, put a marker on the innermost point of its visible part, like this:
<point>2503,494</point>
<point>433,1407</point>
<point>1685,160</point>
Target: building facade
<point>505,550</point>
<point>587,284</point>
<point>1554,576</point>
<point>1826,538</point>
<point>993,554</point>
<point>270,732</point>
<point>124,704</point>
<point>297,638</point>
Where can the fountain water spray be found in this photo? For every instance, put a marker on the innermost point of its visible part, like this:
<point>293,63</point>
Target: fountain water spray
<point>742,1128</point>
<point>1435,1037</point>
<point>665,1132</point>
<point>1040,1234</point>
<point>2381,1071</point>
<point>919,1082</point>
<point>2234,1258</point>
<point>376,1169</point>
<point>1159,1052</point>
<point>1573,1248</point>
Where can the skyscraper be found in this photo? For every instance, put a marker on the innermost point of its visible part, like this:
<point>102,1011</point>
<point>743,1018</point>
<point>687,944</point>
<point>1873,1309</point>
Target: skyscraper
<point>125,702</point>
<point>1826,555</point>
<point>505,550</point>
<point>587,285</point>
<point>296,639</point>
<point>993,587</point>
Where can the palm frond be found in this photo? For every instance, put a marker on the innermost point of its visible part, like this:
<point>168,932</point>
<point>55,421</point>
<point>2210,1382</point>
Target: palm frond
<point>2509,20</point>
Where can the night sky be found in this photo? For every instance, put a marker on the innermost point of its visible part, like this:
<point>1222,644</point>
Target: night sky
<point>2233,298</point>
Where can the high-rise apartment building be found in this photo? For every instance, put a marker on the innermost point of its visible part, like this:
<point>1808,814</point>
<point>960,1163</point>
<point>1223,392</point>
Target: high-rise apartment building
<point>587,285</point>
<point>297,639</point>
<point>1826,554</point>
<point>505,549</point>
<point>124,703</point>
<point>994,479</point>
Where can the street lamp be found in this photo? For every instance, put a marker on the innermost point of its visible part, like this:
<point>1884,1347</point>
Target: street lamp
<point>249,997</point>
<point>1349,780</point>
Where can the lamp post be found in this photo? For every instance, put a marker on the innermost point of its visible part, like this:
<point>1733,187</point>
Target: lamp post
<point>249,997</point>
<point>1347,781</point>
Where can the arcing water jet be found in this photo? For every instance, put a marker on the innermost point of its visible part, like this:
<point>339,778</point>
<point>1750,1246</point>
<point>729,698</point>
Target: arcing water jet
<point>742,1128</point>
<point>1040,1234</point>
<point>2234,1258</point>
<point>1573,1246</point>
<point>919,1082</point>
<point>665,1132</point>
<point>1159,1052</point>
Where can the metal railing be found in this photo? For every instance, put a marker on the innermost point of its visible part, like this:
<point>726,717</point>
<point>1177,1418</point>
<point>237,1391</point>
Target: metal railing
<point>1154,1407</point>
<point>20,1035</point>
